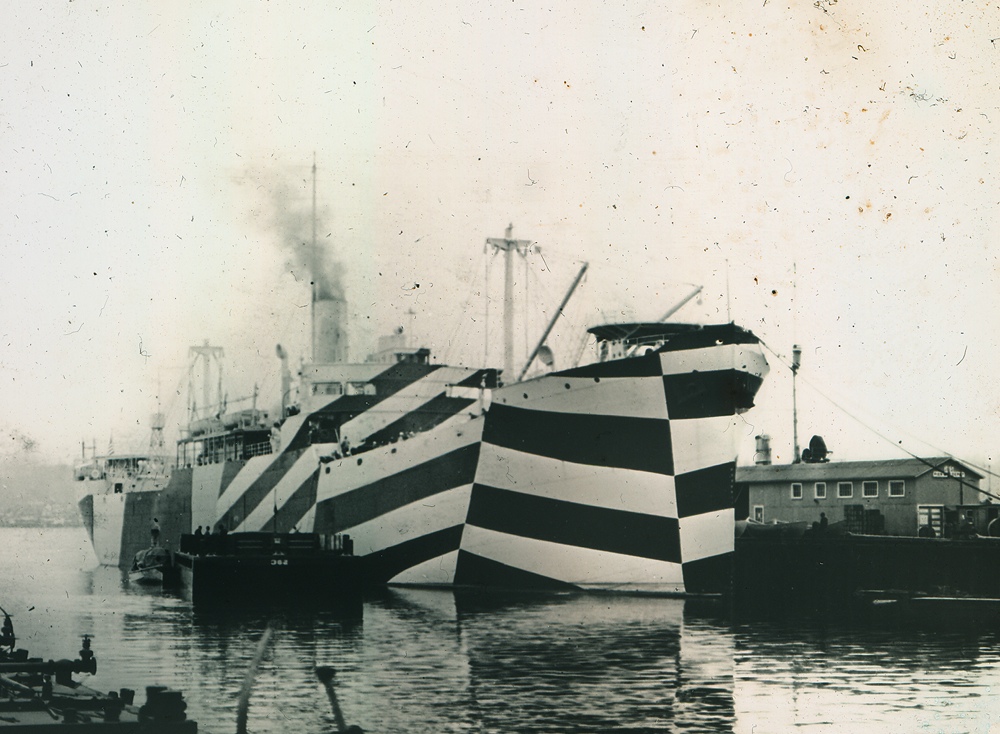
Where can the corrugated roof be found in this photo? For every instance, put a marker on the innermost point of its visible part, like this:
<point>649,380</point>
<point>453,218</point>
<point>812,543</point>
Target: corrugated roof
<point>835,470</point>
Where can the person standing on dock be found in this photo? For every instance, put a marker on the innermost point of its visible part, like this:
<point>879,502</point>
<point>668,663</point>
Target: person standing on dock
<point>154,532</point>
<point>823,522</point>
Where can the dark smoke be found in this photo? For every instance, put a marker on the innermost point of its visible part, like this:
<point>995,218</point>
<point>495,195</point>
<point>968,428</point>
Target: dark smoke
<point>292,221</point>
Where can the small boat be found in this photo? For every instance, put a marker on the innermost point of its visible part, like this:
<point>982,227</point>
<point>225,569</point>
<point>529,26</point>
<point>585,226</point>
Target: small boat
<point>41,697</point>
<point>151,565</point>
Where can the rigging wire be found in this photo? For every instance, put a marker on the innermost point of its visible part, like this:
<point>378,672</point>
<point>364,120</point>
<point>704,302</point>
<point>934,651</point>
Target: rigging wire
<point>897,444</point>
<point>453,338</point>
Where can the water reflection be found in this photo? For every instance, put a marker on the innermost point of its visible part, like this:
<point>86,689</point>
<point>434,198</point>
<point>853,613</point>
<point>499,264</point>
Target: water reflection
<point>423,660</point>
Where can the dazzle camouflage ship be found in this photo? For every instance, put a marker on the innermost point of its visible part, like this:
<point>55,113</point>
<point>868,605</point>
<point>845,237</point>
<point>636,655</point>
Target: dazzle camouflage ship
<point>613,475</point>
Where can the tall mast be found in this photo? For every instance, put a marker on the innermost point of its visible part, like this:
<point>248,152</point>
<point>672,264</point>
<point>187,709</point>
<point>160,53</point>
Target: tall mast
<point>796,363</point>
<point>509,246</point>
<point>312,265</point>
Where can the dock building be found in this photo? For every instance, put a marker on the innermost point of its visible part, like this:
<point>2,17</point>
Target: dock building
<point>903,497</point>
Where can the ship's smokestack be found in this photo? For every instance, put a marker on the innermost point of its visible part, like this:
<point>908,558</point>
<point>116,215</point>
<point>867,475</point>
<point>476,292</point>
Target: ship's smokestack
<point>329,329</point>
<point>762,457</point>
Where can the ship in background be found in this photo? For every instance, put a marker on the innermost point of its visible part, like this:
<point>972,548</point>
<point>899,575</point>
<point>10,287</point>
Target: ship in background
<point>117,495</point>
<point>616,474</point>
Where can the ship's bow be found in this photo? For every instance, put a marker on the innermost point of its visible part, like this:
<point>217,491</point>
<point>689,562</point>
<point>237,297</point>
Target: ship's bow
<point>616,475</point>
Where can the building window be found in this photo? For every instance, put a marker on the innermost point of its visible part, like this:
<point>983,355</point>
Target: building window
<point>869,489</point>
<point>796,491</point>
<point>897,488</point>
<point>845,489</point>
<point>758,513</point>
<point>819,491</point>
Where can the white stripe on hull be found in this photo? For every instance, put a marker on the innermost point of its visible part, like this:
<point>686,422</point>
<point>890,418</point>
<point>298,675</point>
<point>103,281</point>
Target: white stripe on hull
<point>742,357</point>
<point>570,564</point>
<point>415,520</point>
<point>109,519</point>
<point>707,535</point>
<point>205,495</point>
<point>407,400</point>
<point>599,486</point>
<point>294,478</point>
<point>631,397</point>
<point>699,443</point>
<point>348,474</point>
<point>250,473</point>
<point>438,571</point>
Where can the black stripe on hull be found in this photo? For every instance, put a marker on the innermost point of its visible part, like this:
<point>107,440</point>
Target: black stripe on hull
<point>360,505</point>
<point>382,566</point>
<point>474,570</point>
<point>86,505</point>
<point>484,378</point>
<point>709,394</point>
<point>642,444</point>
<point>230,470</point>
<point>705,490</point>
<point>648,365</point>
<point>324,424</point>
<point>288,516</point>
<point>712,575</point>
<point>260,488</point>
<point>139,509</point>
<point>568,523</point>
<point>429,415</point>
<point>173,506</point>
<point>710,336</point>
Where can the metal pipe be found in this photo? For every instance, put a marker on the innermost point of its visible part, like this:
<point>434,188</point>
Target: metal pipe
<point>555,317</point>
<point>681,304</point>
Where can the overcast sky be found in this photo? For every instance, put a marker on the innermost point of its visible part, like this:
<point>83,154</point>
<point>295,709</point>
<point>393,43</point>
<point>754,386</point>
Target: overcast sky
<point>823,170</point>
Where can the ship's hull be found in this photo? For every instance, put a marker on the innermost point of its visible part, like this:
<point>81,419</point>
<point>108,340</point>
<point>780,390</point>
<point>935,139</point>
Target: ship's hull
<point>117,523</point>
<point>617,475</point>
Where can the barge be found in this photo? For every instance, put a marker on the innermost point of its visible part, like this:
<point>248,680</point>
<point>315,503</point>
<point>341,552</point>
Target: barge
<point>262,567</point>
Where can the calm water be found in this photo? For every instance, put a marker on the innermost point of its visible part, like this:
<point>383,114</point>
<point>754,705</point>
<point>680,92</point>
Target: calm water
<point>426,661</point>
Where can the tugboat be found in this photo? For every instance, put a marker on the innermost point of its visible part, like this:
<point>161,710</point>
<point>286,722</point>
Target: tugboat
<point>152,565</point>
<point>41,697</point>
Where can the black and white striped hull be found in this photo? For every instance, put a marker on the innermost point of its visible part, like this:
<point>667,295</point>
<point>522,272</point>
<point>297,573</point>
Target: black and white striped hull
<point>616,475</point>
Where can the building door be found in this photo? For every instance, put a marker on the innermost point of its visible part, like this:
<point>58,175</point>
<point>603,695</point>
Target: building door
<point>932,515</point>
<point>758,513</point>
